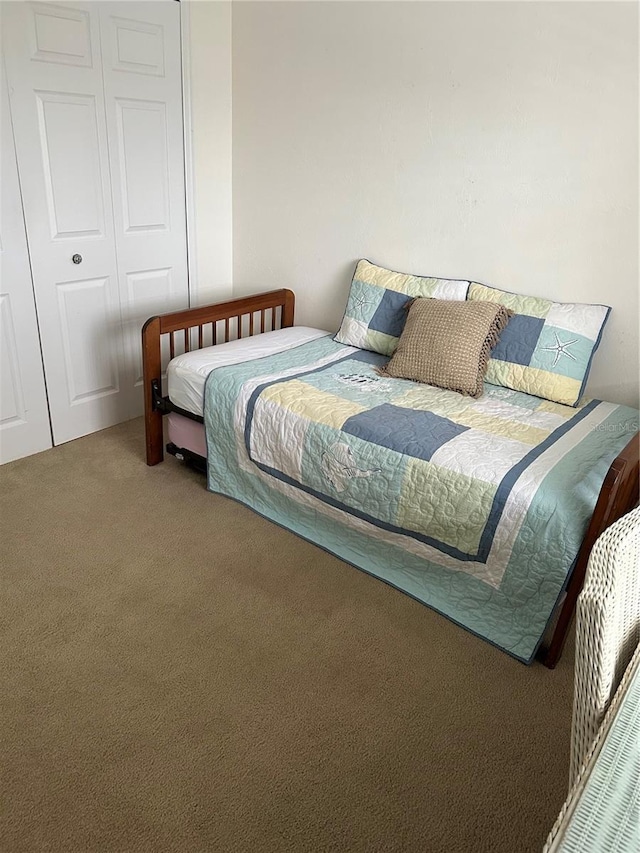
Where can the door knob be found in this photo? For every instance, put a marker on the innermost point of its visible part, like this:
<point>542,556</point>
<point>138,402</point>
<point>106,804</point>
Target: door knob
<point>77,259</point>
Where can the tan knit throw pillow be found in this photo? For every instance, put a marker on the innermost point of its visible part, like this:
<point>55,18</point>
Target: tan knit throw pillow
<point>448,344</point>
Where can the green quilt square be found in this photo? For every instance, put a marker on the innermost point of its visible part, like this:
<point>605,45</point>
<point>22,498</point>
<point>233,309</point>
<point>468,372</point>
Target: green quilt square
<point>452,508</point>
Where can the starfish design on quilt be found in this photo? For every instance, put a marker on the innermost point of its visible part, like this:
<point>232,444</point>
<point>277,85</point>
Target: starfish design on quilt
<point>339,466</point>
<point>561,348</point>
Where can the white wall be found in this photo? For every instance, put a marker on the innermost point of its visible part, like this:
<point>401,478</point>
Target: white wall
<point>209,41</point>
<point>494,141</point>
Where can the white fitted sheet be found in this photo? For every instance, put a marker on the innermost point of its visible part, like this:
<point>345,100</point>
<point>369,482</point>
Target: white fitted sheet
<point>187,374</point>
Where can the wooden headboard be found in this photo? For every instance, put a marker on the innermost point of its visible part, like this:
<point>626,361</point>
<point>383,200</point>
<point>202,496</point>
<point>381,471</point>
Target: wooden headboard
<point>194,328</point>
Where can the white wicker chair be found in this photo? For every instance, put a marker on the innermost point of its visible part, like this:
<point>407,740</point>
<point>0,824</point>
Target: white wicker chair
<point>556,840</point>
<point>607,630</point>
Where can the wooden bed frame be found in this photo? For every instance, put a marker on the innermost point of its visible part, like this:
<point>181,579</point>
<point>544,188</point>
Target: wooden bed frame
<point>275,309</point>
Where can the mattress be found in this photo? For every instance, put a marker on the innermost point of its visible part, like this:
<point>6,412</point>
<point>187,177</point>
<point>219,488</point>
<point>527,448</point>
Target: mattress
<point>187,374</point>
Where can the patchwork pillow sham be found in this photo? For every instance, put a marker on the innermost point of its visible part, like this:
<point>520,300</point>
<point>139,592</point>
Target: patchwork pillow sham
<point>547,348</point>
<point>377,306</point>
<point>447,344</point>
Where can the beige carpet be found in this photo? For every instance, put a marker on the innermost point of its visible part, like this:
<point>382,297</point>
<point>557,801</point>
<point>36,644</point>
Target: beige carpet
<point>180,675</point>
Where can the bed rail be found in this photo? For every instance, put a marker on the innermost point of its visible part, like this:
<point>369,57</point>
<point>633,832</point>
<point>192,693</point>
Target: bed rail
<point>619,494</point>
<point>195,328</point>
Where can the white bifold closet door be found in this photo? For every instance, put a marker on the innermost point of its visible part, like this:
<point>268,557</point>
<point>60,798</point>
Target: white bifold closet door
<point>24,417</point>
<point>96,101</point>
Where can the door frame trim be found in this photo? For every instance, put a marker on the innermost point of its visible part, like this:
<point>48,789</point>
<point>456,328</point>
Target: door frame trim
<point>187,132</point>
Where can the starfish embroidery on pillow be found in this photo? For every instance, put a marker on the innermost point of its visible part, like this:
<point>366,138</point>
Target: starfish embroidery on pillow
<point>361,302</point>
<point>561,349</point>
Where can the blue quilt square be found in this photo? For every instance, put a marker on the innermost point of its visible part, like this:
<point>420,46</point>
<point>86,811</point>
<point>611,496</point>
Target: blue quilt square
<point>391,314</point>
<point>519,339</point>
<point>407,431</point>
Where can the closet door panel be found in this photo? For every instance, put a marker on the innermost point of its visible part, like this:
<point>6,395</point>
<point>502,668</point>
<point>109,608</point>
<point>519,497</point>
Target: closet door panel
<point>142,164</point>
<point>54,65</point>
<point>143,94</point>
<point>84,307</point>
<point>60,34</point>
<point>71,165</point>
<point>24,417</point>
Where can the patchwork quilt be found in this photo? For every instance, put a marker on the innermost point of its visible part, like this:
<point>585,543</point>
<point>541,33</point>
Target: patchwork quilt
<point>476,508</point>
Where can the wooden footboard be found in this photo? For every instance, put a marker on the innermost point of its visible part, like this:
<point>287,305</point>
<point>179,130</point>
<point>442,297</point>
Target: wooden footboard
<point>619,494</point>
<point>198,327</point>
